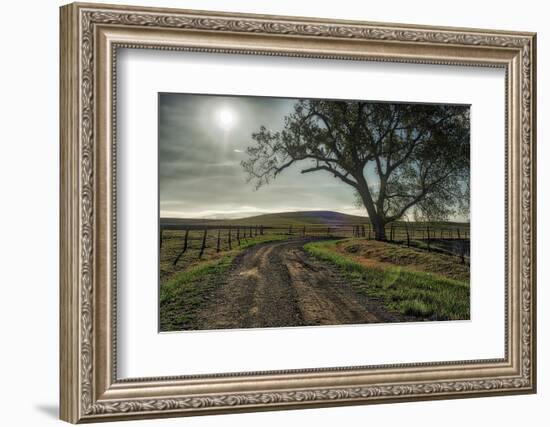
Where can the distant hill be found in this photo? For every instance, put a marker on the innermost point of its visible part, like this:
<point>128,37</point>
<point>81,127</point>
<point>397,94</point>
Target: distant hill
<point>277,219</point>
<point>296,219</point>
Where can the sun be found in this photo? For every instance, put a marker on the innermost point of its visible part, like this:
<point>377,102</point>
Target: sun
<point>226,118</point>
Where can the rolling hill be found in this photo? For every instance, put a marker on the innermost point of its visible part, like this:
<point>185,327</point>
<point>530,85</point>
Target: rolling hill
<point>277,219</point>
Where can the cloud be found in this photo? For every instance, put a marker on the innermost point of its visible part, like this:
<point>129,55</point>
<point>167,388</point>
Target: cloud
<point>199,161</point>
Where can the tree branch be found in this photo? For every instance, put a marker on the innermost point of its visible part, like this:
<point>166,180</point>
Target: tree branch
<point>333,171</point>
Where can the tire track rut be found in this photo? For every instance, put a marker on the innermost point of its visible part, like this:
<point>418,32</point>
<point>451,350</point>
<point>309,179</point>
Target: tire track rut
<point>278,284</point>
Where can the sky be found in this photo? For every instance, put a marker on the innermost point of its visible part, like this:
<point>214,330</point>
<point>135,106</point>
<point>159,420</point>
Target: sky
<point>202,141</point>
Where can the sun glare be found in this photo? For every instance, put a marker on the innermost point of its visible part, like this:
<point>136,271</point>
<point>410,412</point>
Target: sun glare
<point>226,119</point>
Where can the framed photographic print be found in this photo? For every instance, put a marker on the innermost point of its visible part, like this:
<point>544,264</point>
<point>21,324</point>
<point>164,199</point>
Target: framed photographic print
<point>265,212</point>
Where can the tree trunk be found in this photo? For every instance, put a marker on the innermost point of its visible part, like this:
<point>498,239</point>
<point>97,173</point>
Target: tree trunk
<point>378,223</point>
<point>379,229</point>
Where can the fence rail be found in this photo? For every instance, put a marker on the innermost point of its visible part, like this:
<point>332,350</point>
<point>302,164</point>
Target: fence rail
<point>446,238</point>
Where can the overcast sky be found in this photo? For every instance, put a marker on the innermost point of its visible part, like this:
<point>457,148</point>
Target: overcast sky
<point>202,140</point>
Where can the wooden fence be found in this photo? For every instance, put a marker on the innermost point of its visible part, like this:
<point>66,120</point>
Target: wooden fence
<point>453,239</point>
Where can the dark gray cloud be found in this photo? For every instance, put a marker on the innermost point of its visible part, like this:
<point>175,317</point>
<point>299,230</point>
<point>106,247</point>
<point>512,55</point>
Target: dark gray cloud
<point>199,161</point>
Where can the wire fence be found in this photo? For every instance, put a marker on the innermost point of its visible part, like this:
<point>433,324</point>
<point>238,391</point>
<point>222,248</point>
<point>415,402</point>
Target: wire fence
<point>452,239</point>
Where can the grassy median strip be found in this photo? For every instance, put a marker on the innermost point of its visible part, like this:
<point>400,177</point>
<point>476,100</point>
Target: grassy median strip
<point>405,290</point>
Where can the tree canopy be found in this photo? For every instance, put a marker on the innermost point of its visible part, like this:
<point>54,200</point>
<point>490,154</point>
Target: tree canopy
<point>418,155</point>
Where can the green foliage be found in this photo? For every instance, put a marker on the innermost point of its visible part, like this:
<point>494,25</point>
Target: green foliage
<point>411,292</point>
<point>419,153</point>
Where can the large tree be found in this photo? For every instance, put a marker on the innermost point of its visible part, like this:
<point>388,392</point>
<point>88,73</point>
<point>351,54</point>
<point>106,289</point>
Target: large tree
<point>400,159</point>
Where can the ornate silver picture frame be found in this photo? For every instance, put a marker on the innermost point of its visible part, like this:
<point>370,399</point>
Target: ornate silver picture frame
<point>91,35</point>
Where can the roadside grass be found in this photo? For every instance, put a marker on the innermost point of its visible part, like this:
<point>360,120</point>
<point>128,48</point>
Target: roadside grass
<point>185,292</point>
<point>187,286</point>
<point>399,255</point>
<point>402,279</point>
<point>172,246</point>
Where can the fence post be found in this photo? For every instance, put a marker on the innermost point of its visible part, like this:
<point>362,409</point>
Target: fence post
<point>462,249</point>
<point>184,247</point>
<point>229,238</point>
<point>250,231</point>
<point>369,231</point>
<point>428,233</point>
<point>407,231</point>
<point>362,230</point>
<point>261,230</point>
<point>218,242</point>
<point>239,235</point>
<point>203,246</point>
<point>391,232</point>
<point>255,230</point>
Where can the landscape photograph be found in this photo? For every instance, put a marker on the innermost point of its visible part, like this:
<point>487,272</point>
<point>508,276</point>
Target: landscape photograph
<point>280,212</point>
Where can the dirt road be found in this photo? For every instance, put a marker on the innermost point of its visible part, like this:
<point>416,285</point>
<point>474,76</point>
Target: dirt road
<point>278,284</point>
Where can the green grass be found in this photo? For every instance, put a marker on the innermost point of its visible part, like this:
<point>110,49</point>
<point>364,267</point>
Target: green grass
<point>413,258</point>
<point>189,285</point>
<point>173,244</point>
<point>185,292</point>
<point>402,289</point>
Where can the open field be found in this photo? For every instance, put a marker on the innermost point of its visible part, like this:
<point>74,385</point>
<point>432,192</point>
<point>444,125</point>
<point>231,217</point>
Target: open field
<point>206,236</point>
<point>236,275</point>
<point>281,219</point>
<point>321,220</point>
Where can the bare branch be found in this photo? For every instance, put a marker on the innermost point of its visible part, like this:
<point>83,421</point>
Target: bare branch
<point>333,171</point>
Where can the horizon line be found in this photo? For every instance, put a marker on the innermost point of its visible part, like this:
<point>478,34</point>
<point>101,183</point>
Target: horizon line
<point>260,212</point>
<point>256,214</point>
